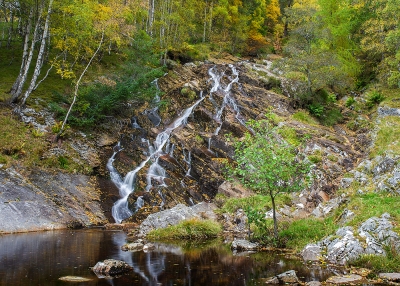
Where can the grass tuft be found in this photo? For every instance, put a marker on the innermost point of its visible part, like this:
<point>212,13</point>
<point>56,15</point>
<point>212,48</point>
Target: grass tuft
<point>188,229</point>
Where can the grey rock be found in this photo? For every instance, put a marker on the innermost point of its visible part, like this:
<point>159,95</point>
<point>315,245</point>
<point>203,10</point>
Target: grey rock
<point>134,246</point>
<point>393,277</point>
<point>325,208</point>
<point>111,267</point>
<point>240,221</point>
<point>149,247</point>
<point>46,201</point>
<point>365,166</point>
<point>346,182</point>
<point>288,277</point>
<point>272,280</point>
<point>244,245</point>
<point>386,165</point>
<point>385,111</point>
<point>378,233</point>
<point>345,279</point>
<point>344,248</point>
<point>312,252</point>
<point>175,215</point>
<point>346,216</point>
<point>313,283</point>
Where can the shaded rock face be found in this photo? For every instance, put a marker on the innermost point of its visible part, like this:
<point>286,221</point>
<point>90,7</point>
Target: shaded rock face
<point>43,201</point>
<point>195,154</point>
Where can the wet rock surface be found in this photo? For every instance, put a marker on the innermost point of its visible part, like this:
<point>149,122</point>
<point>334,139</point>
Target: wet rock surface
<point>288,277</point>
<point>41,200</point>
<point>244,245</point>
<point>111,267</point>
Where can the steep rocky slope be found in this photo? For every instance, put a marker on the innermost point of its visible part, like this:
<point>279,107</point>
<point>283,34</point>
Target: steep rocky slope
<point>190,166</point>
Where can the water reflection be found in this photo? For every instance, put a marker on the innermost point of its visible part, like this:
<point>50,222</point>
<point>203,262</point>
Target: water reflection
<point>43,257</point>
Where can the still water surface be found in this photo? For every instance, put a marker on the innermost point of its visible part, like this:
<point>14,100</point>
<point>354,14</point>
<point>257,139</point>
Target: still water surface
<point>42,258</point>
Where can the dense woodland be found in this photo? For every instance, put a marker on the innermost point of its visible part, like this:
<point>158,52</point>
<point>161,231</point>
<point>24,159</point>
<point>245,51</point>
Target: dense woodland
<point>327,46</point>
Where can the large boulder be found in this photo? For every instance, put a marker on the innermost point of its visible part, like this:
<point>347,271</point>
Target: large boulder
<point>175,215</point>
<point>312,252</point>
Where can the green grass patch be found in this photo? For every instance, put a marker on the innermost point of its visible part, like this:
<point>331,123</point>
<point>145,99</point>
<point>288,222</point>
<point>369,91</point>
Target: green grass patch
<point>188,229</point>
<point>304,117</point>
<point>290,135</point>
<point>374,204</point>
<point>257,202</point>
<point>391,98</point>
<point>18,142</point>
<point>378,263</point>
<point>388,137</point>
<point>301,232</point>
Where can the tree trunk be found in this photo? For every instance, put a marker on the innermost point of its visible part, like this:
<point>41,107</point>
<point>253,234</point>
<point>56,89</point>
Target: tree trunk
<point>77,87</point>
<point>27,32</point>
<point>151,17</point>
<point>26,67</point>
<point>274,216</point>
<point>40,58</point>
<point>10,30</point>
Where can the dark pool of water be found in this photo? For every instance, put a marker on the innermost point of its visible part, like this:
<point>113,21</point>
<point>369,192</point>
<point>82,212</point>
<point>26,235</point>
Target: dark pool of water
<point>42,258</point>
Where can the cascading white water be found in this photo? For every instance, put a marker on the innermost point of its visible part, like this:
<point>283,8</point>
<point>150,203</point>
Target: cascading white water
<point>228,100</point>
<point>120,210</point>
<point>156,174</point>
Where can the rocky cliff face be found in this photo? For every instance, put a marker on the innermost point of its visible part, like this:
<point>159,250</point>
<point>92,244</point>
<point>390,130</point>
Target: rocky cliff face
<point>42,201</point>
<point>190,166</point>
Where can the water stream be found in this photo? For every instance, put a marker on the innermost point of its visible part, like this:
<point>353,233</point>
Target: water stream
<point>120,210</point>
<point>155,177</point>
<point>41,258</point>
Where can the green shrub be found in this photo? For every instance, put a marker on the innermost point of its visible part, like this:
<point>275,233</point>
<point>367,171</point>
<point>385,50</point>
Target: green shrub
<point>188,229</point>
<point>63,162</point>
<point>316,109</point>
<point>350,101</point>
<point>315,159</point>
<point>374,98</point>
<point>304,116</point>
<point>332,117</point>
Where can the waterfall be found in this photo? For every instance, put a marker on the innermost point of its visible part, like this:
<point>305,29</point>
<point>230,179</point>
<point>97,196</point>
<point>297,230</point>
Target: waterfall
<point>120,210</point>
<point>161,146</point>
<point>227,100</point>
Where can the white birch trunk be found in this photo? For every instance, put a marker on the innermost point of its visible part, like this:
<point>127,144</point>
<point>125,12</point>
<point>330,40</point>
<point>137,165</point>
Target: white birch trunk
<point>77,87</point>
<point>40,58</point>
<point>24,53</point>
<point>25,70</point>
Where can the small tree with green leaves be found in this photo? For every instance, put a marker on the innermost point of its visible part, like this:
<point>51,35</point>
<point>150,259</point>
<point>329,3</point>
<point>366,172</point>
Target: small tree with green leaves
<point>269,165</point>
